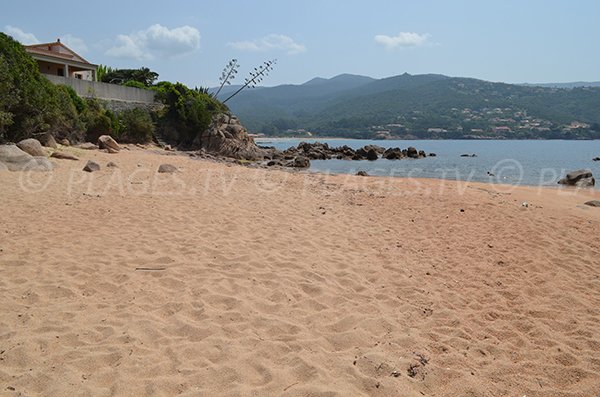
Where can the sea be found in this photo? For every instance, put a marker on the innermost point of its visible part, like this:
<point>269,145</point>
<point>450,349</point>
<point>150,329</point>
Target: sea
<point>515,162</point>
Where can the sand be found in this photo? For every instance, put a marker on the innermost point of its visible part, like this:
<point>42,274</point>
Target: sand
<point>222,280</point>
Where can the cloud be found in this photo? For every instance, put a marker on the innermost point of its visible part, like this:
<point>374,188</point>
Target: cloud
<point>74,43</point>
<point>271,42</point>
<point>403,39</point>
<point>19,35</point>
<point>156,41</point>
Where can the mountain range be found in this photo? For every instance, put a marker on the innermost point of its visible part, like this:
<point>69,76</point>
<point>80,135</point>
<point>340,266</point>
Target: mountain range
<point>420,106</point>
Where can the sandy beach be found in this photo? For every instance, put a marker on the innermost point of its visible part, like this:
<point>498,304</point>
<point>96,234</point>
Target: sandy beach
<point>223,280</point>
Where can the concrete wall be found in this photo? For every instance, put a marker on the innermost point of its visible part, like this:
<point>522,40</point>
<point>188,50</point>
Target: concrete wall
<point>96,89</point>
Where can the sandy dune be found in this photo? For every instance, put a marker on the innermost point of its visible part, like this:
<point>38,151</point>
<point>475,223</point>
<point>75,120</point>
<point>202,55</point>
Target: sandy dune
<point>270,283</point>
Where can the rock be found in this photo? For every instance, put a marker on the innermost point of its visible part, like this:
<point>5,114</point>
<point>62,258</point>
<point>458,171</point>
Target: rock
<point>596,159</point>
<point>362,173</point>
<point>372,155</point>
<point>49,141</point>
<point>65,142</point>
<point>432,155</point>
<point>3,167</point>
<point>378,149</point>
<point>40,163</point>
<point>412,153</point>
<point>110,164</point>
<point>468,155</point>
<point>227,137</point>
<point>107,142</point>
<point>579,178</point>
<point>593,203</point>
<point>14,159</point>
<point>167,169</point>
<point>168,148</point>
<point>63,156</point>
<point>111,150</point>
<point>32,146</point>
<point>91,166</point>
<point>422,153</point>
<point>299,162</point>
<point>87,146</point>
<point>273,163</point>
<point>393,154</point>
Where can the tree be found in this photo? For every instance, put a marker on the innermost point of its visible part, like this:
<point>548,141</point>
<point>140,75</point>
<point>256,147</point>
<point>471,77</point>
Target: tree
<point>142,75</point>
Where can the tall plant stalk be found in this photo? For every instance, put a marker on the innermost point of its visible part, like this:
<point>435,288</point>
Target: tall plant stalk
<point>256,76</point>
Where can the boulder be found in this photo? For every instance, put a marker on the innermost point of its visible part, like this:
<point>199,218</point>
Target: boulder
<point>422,153</point>
<point>87,146</point>
<point>227,137</point>
<point>393,154</point>
<point>32,146</point>
<point>593,203</point>
<point>412,153</point>
<point>14,159</point>
<point>167,169</point>
<point>378,149</point>
<point>372,155</point>
<point>579,178</point>
<point>91,166</point>
<point>49,141</point>
<point>362,173</point>
<point>63,156</point>
<point>107,142</point>
<point>299,162</point>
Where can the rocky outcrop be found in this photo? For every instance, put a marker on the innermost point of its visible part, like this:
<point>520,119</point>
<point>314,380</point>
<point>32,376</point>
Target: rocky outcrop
<point>322,151</point>
<point>32,147</point>
<point>227,137</point>
<point>14,159</point>
<point>579,178</point>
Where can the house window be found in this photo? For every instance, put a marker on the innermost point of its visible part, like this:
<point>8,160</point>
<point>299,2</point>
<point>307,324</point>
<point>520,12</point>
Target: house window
<point>61,72</point>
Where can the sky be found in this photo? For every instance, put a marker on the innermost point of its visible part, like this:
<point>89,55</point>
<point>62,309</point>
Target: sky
<point>192,41</point>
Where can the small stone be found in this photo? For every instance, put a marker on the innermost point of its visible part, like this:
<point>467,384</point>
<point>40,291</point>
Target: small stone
<point>110,164</point>
<point>593,203</point>
<point>87,146</point>
<point>167,168</point>
<point>91,166</point>
<point>65,142</point>
<point>362,173</point>
<point>63,156</point>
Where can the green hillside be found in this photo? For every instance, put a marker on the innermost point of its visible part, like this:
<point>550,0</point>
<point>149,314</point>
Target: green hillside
<point>422,106</point>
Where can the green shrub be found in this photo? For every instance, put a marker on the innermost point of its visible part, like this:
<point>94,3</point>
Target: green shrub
<point>30,105</point>
<point>135,126</point>
<point>188,112</point>
<point>135,84</point>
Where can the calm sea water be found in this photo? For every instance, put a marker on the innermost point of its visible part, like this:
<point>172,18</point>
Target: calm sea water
<point>511,162</point>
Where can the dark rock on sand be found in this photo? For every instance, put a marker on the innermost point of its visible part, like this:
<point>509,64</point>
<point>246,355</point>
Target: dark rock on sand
<point>593,203</point>
<point>299,162</point>
<point>49,141</point>
<point>110,164</point>
<point>91,166</point>
<point>579,178</point>
<point>362,173</point>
